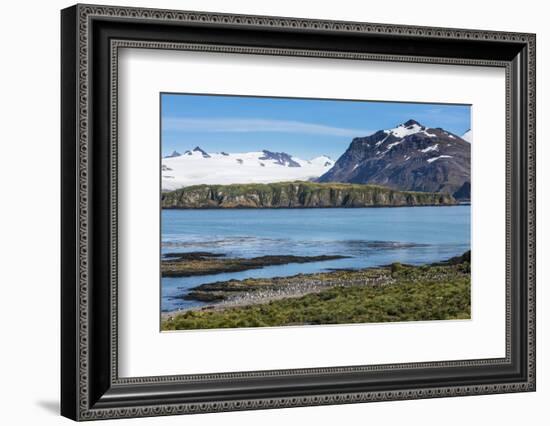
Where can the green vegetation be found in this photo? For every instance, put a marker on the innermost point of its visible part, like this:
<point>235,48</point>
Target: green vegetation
<point>297,195</point>
<point>395,293</point>
<point>205,263</point>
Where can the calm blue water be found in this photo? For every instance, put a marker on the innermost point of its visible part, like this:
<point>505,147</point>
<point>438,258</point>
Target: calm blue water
<point>370,236</point>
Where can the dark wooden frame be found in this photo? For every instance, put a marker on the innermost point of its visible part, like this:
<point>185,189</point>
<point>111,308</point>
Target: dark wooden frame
<point>90,386</point>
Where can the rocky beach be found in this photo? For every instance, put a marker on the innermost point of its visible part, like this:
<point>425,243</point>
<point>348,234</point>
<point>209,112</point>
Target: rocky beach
<point>395,292</point>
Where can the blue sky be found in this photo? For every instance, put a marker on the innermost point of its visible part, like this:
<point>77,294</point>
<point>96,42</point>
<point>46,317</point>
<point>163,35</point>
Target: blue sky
<point>305,128</point>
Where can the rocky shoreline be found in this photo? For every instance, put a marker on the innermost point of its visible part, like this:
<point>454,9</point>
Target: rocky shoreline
<point>256,291</point>
<point>259,290</point>
<point>233,295</point>
<point>206,263</point>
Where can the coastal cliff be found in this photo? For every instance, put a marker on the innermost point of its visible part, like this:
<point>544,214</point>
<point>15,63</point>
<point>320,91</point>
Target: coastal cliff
<point>297,195</point>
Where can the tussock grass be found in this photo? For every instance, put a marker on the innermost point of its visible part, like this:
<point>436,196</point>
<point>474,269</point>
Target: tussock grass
<point>440,292</point>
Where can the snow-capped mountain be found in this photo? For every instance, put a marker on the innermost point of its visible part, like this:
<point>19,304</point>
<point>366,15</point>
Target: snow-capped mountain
<point>407,157</point>
<point>197,167</point>
<point>468,136</point>
<point>174,154</point>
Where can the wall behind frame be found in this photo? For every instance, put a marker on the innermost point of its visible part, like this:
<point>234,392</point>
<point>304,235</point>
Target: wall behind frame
<point>29,229</point>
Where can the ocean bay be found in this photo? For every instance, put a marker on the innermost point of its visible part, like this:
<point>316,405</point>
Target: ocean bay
<point>367,237</point>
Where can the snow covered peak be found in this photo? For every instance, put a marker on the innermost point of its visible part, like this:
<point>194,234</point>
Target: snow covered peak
<point>174,154</point>
<point>198,167</point>
<point>468,136</point>
<point>280,158</point>
<point>322,160</point>
<point>407,128</point>
<point>199,151</point>
<point>411,122</point>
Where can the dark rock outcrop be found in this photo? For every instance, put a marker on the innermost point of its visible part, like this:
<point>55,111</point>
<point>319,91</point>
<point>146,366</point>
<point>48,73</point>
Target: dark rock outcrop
<point>201,151</point>
<point>464,192</point>
<point>174,154</point>
<point>280,158</point>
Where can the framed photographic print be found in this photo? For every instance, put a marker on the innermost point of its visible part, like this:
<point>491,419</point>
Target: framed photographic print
<point>263,212</point>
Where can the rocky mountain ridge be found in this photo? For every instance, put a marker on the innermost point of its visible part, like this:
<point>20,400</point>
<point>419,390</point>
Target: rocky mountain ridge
<point>408,157</point>
<point>197,166</point>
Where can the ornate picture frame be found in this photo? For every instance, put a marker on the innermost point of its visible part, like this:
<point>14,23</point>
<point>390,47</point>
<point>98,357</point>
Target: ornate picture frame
<point>90,41</point>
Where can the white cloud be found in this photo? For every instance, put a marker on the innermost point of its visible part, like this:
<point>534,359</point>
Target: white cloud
<point>238,125</point>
